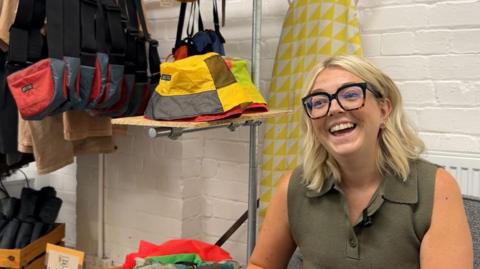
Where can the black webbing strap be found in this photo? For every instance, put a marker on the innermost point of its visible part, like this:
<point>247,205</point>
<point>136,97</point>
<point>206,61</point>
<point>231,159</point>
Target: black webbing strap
<point>88,10</point>
<point>181,20</point>
<point>19,32</point>
<point>100,28</point>
<point>234,227</point>
<point>141,61</point>
<point>216,21</point>
<point>37,43</point>
<point>200,21</point>
<point>131,26</point>
<point>132,15</point>
<point>115,38</point>
<point>55,28</point>
<point>153,57</point>
<point>71,32</point>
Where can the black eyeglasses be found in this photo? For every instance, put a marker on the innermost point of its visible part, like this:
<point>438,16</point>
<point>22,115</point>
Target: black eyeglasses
<point>349,97</point>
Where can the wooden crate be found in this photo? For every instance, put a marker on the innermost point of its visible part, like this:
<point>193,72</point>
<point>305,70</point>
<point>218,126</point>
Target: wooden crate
<point>33,255</point>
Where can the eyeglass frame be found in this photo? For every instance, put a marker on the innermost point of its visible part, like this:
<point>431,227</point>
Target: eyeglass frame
<point>363,85</point>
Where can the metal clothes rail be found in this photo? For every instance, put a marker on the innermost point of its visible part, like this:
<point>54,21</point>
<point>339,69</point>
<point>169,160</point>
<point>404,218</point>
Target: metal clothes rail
<point>175,129</point>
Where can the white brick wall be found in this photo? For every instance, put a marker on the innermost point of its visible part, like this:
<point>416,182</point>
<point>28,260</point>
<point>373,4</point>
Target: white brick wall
<point>197,186</point>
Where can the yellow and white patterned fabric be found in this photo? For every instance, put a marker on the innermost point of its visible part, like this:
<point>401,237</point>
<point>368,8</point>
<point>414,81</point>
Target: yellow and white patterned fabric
<point>312,30</point>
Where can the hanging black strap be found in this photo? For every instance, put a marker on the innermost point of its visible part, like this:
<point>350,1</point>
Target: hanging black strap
<point>55,28</point>
<point>37,43</point>
<point>88,10</point>
<point>115,36</point>
<point>216,22</point>
<point>131,36</point>
<point>181,20</point>
<point>71,32</point>
<point>200,21</point>
<point>153,57</point>
<point>234,227</point>
<point>100,28</point>
<point>19,32</point>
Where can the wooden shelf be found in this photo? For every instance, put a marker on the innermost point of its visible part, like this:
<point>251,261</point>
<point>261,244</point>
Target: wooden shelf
<point>141,121</point>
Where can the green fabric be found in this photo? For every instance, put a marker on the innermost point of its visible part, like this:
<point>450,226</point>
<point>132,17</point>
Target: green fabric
<point>174,258</point>
<point>400,211</point>
<point>240,71</point>
<point>192,261</point>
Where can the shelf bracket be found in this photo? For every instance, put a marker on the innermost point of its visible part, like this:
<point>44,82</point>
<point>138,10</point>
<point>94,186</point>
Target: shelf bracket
<point>176,132</point>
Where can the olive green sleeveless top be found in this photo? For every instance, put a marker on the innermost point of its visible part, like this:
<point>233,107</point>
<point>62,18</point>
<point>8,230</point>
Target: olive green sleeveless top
<point>387,235</point>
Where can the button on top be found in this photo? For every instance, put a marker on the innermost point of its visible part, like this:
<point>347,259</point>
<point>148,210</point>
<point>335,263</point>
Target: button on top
<point>353,243</point>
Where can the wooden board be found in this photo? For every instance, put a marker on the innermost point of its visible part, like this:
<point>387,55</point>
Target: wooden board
<point>17,258</point>
<point>141,121</point>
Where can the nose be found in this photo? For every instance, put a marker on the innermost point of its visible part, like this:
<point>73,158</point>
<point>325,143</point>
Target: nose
<point>335,108</point>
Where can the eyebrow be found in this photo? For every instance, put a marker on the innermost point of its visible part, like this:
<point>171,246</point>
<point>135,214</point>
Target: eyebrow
<point>322,90</point>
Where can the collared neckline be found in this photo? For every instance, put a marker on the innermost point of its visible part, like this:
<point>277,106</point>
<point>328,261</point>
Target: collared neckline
<point>393,189</point>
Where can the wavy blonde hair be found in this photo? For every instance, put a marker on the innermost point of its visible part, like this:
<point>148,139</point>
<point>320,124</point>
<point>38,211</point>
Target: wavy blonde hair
<point>398,141</point>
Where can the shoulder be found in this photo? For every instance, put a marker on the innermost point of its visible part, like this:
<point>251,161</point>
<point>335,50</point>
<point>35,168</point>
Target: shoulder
<point>448,240</point>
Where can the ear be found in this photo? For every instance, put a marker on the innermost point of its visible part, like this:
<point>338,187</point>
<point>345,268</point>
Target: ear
<point>385,108</point>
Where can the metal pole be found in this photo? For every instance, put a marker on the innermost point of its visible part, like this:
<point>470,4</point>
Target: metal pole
<point>252,178</point>
<point>101,220</point>
<point>252,191</point>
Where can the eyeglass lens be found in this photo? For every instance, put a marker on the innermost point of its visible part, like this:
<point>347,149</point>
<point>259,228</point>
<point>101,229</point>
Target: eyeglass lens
<point>348,98</point>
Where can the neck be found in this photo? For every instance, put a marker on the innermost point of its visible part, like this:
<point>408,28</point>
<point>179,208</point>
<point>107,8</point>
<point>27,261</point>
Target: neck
<point>359,173</point>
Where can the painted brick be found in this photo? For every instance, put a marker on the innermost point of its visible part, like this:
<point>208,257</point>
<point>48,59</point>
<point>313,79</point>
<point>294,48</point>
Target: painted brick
<point>433,41</point>
<point>191,168</point>
<point>447,120</point>
<point>156,204</point>
<point>417,92</point>
<point>191,187</point>
<point>404,67</point>
<point>232,190</point>
<point>451,67</point>
<point>456,93</point>
<point>217,227</point>
<point>394,18</point>
<point>466,41</point>
<point>450,142</point>
<point>371,44</point>
<point>192,228</point>
<point>448,14</point>
<point>228,151</point>
<point>192,207</point>
<point>398,43</point>
<point>230,171</point>
<point>209,168</point>
<point>227,209</point>
<point>241,134</point>
<point>154,225</point>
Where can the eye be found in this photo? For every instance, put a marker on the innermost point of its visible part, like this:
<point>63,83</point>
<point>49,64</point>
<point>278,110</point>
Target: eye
<point>317,103</point>
<point>351,93</point>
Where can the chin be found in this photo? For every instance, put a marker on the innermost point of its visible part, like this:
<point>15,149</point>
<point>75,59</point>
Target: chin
<point>345,148</point>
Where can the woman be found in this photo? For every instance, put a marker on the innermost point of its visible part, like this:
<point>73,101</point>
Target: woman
<point>363,198</point>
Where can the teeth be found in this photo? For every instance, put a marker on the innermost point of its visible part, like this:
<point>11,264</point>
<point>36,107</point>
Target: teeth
<point>341,126</point>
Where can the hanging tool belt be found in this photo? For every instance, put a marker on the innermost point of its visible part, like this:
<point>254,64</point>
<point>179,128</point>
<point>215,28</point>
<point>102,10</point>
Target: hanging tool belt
<point>92,55</point>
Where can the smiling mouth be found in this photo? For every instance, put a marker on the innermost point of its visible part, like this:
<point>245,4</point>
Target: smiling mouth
<point>342,128</point>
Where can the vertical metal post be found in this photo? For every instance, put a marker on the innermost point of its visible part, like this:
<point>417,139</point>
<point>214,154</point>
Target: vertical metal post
<point>252,179</point>
<point>252,191</point>
<point>101,220</point>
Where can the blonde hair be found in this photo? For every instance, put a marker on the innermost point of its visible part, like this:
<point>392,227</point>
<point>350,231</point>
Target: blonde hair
<point>398,141</point>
